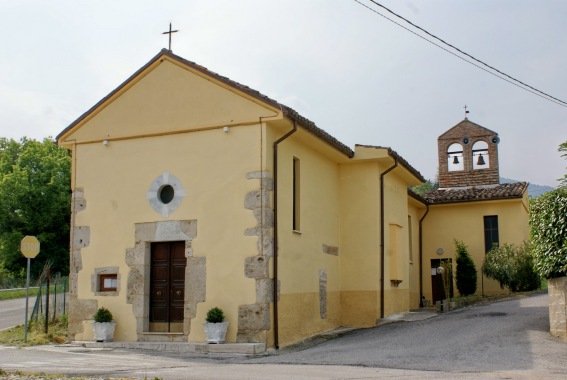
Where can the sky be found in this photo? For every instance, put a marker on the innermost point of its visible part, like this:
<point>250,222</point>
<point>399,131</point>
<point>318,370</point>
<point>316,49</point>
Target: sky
<point>358,76</point>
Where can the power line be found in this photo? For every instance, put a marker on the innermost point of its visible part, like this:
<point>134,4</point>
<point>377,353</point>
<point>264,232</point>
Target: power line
<point>499,74</point>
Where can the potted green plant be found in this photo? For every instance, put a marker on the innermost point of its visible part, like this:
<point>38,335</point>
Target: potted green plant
<point>103,325</point>
<point>215,327</point>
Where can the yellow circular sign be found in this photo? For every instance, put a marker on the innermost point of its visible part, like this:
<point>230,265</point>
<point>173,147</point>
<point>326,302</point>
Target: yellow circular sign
<point>29,247</point>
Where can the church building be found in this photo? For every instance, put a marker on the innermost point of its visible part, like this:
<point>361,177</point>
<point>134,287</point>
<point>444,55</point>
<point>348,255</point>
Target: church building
<point>193,191</point>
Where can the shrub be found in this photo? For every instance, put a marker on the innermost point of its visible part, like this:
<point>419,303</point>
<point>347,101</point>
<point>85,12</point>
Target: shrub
<point>447,277</point>
<point>548,225</point>
<point>513,267</point>
<point>103,315</point>
<point>215,315</point>
<point>466,271</point>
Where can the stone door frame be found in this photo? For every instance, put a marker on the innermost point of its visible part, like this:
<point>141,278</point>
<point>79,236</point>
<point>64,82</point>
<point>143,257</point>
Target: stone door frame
<point>138,260</point>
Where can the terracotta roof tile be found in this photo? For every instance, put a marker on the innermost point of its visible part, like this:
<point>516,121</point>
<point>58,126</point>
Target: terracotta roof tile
<point>288,111</point>
<point>481,193</point>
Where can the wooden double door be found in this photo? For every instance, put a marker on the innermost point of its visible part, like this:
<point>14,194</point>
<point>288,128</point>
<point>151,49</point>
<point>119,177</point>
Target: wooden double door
<point>167,286</point>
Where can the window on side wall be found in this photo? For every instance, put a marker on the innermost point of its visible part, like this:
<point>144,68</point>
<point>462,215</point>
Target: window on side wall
<point>296,195</point>
<point>410,240</point>
<point>490,232</point>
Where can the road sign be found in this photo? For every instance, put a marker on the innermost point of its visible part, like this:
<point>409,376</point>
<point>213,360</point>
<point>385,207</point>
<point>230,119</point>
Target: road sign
<point>29,247</point>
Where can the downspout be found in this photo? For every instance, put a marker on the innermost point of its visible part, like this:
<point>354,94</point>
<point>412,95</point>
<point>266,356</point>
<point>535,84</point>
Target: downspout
<point>275,284</point>
<point>382,235</point>
<point>421,256</point>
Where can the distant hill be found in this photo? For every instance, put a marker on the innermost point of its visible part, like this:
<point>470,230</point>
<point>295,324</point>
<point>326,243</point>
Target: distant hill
<point>533,189</point>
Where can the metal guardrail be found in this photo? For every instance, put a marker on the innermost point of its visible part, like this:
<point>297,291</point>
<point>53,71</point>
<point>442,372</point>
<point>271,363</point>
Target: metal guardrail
<point>41,310</point>
<point>12,289</point>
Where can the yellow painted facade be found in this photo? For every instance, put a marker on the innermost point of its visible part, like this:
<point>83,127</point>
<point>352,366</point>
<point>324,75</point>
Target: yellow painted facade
<point>416,212</point>
<point>248,177</point>
<point>110,176</point>
<point>465,222</point>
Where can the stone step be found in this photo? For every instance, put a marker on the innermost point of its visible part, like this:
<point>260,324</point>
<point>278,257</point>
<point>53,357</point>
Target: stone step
<point>198,348</point>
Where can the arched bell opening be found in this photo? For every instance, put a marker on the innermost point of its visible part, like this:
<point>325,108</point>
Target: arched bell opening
<point>480,157</point>
<point>455,159</point>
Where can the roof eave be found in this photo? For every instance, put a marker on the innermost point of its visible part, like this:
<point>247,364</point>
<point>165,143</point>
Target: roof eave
<point>287,111</point>
<point>430,202</point>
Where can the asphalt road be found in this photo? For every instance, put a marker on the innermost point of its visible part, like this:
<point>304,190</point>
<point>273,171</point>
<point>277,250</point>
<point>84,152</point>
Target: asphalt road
<point>501,336</point>
<point>12,312</point>
<point>507,339</point>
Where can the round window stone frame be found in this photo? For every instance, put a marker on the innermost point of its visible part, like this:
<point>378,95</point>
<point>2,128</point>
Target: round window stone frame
<point>154,194</point>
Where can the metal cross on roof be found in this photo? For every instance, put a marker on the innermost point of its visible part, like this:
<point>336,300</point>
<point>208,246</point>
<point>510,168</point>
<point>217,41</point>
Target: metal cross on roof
<point>170,32</point>
<point>465,107</point>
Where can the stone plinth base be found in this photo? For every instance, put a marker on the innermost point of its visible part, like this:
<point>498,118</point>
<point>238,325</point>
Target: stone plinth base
<point>557,289</point>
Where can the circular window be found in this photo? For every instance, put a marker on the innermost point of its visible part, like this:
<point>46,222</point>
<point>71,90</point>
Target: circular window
<point>166,194</point>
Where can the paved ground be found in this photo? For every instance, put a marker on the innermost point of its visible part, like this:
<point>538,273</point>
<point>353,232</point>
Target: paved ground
<point>502,340</point>
<point>501,336</point>
<point>12,312</point>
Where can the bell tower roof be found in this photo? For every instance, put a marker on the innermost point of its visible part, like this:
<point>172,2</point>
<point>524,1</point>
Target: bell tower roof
<point>466,127</point>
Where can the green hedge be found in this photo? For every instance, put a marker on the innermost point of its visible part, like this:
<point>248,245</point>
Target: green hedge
<point>548,224</point>
<point>513,267</point>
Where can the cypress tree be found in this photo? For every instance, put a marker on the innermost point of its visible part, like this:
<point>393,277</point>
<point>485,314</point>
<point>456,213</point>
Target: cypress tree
<point>466,270</point>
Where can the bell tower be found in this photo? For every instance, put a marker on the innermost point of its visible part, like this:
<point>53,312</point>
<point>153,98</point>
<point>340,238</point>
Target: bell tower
<point>468,156</point>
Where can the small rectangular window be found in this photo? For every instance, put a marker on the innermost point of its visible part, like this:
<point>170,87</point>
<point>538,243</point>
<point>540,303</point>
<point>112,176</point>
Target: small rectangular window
<point>296,194</point>
<point>490,232</point>
<point>108,282</point>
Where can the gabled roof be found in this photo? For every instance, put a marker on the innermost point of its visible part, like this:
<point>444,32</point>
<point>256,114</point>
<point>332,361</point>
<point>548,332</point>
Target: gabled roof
<point>287,111</point>
<point>416,196</point>
<point>392,153</point>
<point>472,194</point>
<point>472,130</point>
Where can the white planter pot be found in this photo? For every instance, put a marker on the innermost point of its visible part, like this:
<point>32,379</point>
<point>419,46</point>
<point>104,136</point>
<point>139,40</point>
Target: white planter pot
<point>103,331</point>
<point>215,332</point>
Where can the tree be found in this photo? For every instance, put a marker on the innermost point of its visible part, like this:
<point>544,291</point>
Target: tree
<point>425,187</point>
<point>548,232</point>
<point>447,277</point>
<point>34,200</point>
<point>466,270</point>
<point>563,148</point>
<point>513,267</point>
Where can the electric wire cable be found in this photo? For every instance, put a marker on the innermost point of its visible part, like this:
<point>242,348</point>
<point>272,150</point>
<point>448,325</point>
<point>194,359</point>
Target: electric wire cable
<point>502,75</point>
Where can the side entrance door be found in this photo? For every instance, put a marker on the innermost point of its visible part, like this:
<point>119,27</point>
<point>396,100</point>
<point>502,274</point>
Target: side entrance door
<point>167,286</point>
<point>437,288</point>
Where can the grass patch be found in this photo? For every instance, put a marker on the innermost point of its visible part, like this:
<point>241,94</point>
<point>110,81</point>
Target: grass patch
<point>57,333</point>
<point>470,299</point>
<point>18,293</point>
<point>543,284</point>
<point>21,293</point>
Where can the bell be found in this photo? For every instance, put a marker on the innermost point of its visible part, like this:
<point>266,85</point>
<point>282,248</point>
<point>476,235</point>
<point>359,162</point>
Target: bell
<point>455,160</point>
<point>480,160</point>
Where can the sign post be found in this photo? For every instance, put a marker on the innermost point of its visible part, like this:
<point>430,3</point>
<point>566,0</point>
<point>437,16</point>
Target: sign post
<point>29,247</point>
